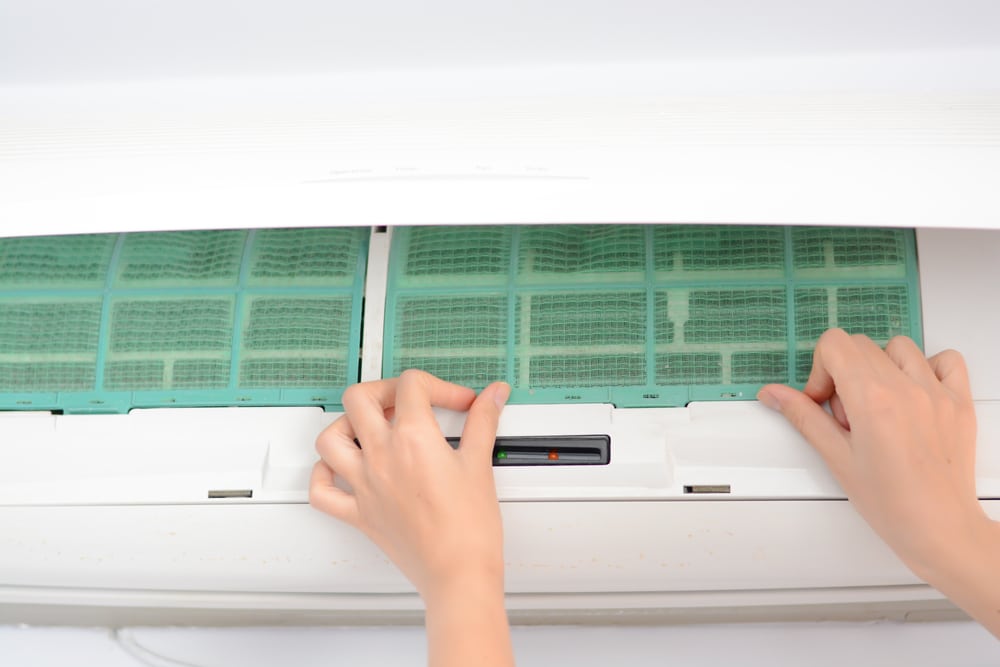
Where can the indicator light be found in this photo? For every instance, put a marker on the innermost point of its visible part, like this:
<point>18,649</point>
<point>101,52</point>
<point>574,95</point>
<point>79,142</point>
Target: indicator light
<point>553,455</point>
<point>501,454</point>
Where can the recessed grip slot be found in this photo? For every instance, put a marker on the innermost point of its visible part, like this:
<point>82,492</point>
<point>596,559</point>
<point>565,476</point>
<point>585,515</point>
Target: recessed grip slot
<point>707,488</point>
<point>230,493</point>
<point>569,450</point>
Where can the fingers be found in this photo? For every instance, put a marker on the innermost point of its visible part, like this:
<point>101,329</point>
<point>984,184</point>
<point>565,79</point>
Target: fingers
<point>335,445</point>
<point>480,430</point>
<point>809,419</point>
<point>949,367</point>
<point>839,413</point>
<point>365,405</point>
<point>326,497</point>
<point>836,354</point>
<point>418,391</point>
<point>905,354</point>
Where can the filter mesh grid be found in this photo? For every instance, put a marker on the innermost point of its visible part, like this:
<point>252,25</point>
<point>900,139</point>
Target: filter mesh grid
<point>572,251</point>
<point>480,255</point>
<point>703,248</point>
<point>111,322</point>
<point>475,327</point>
<point>76,261</point>
<point>48,345</point>
<point>180,258</point>
<point>736,316</point>
<point>837,247</point>
<point>639,315</point>
<point>305,257</point>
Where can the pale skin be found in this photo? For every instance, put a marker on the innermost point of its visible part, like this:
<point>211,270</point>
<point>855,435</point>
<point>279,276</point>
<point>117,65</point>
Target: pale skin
<point>901,441</point>
<point>433,510</point>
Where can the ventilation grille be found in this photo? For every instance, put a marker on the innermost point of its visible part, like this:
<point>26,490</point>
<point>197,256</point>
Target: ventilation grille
<point>106,323</point>
<point>639,315</point>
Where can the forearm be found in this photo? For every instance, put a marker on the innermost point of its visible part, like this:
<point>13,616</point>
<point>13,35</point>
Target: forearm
<point>970,575</point>
<point>467,624</point>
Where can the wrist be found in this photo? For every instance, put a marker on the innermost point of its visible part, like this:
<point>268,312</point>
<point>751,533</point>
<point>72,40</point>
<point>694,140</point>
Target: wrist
<point>968,576</point>
<point>482,583</point>
<point>466,619</point>
<point>961,559</point>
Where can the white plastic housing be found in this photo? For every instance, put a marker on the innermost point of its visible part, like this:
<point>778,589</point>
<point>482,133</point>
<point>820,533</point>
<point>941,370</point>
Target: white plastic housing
<point>112,511</point>
<point>586,145</point>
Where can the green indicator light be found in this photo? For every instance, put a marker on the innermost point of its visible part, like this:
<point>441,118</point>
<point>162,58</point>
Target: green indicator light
<point>501,454</point>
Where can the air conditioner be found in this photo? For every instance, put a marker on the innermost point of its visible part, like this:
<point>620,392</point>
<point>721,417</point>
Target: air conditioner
<point>162,383</point>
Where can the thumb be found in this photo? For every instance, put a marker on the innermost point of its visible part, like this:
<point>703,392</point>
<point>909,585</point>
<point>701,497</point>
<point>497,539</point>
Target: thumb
<point>817,426</point>
<point>480,430</point>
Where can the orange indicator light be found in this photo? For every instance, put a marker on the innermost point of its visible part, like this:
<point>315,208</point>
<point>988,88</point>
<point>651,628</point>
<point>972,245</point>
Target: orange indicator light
<point>553,455</point>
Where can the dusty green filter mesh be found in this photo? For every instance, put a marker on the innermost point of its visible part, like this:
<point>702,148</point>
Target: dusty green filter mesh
<point>106,323</point>
<point>639,315</point>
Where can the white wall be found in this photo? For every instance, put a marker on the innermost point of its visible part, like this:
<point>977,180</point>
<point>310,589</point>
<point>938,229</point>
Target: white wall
<point>60,40</point>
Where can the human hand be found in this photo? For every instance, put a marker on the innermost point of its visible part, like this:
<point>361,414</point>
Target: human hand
<point>432,509</point>
<point>901,440</point>
<point>902,443</point>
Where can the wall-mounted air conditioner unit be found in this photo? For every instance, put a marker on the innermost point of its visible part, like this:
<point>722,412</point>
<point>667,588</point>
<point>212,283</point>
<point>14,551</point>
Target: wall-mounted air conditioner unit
<point>161,393</point>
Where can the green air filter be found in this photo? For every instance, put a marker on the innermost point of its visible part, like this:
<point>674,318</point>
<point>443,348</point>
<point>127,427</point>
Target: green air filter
<point>639,315</point>
<point>110,322</point>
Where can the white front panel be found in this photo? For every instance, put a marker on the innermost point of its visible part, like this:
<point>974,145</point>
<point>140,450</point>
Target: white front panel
<point>157,456</point>
<point>572,547</point>
<point>179,456</point>
<point>332,151</point>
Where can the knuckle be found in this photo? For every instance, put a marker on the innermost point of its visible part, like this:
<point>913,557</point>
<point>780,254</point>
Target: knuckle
<point>325,440</point>
<point>861,339</point>
<point>414,376</point>
<point>953,358</point>
<point>833,337</point>
<point>353,393</point>
<point>314,493</point>
<point>903,346</point>
<point>329,437</point>
<point>411,374</point>
<point>896,342</point>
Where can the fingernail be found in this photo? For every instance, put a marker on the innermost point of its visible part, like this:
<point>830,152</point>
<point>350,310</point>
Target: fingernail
<point>501,394</point>
<point>769,399</point>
